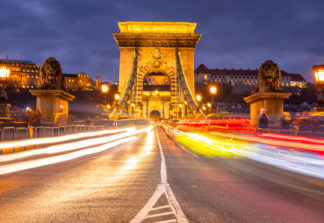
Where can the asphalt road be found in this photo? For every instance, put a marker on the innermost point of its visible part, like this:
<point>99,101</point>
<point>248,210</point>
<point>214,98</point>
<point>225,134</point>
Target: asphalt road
<point>125,181</point>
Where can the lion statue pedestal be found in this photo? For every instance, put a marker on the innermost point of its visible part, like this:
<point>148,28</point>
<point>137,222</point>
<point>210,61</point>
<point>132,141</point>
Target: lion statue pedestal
<point>268,103</point>
<point>51,99</point>
<point>267,98</point>
<point>50,103</point>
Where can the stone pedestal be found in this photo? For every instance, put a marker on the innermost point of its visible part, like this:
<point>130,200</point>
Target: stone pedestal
<point>51,103</point>
<point>5,110</point>
<point>272,105</point>
<point>5,118</point>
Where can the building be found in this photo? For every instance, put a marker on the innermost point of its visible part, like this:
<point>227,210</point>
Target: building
<point>243,77</point>
<point>19,74</point>
<point>80,81</point>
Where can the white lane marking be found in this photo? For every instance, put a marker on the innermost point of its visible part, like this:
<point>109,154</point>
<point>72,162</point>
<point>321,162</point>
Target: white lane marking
<point>162,189</point>
<point>158,215</point>
<point>166,221</point>
<point>161,207</point>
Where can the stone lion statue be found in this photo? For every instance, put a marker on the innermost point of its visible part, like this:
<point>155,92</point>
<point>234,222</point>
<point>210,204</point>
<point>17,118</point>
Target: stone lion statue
<point>51,75</point>
<point>269,78</point>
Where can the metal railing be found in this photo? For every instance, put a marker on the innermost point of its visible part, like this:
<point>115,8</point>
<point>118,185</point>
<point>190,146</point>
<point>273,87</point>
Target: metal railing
<point>16,133</point>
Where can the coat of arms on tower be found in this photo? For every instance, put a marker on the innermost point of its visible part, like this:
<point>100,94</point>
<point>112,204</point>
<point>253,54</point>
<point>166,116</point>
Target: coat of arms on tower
<point>157,57</point>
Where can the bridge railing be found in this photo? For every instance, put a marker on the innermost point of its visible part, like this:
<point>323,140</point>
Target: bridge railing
<point>16,133</point>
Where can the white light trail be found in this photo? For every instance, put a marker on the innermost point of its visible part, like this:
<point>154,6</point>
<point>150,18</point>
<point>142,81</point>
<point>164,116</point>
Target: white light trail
<point>69,146</point>
<point>48,140</point>
<point>11,168</point>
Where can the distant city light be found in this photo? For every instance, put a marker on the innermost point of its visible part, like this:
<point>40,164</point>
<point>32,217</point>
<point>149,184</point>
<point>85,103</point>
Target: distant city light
<point>4,72</point>
<point>104,88</point>
<point>117,96</point>
<point>213,90</point>
<point>198,97</point>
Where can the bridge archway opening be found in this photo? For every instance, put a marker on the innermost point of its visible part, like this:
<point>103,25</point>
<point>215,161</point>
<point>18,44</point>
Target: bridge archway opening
<point>156,81</point>
<point>155,115</point>
<point>156,94</point>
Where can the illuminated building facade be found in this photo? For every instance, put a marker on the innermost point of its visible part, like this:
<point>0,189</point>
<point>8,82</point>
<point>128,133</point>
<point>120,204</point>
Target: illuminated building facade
<point>80,81</point>
<point>19,74</point>
<point>243,77</point>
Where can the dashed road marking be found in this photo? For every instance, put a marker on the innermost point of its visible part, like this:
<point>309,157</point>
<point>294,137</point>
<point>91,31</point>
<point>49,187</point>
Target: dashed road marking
<point>172,209</point>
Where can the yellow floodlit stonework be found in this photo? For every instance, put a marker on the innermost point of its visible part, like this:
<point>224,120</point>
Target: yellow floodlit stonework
<point>157,27</point>
<point>165,48</point>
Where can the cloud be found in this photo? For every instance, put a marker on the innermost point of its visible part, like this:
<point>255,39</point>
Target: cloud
<point>235,33</point>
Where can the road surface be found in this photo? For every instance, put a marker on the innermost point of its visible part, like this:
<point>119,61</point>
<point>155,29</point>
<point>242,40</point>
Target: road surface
<point>146,181</point>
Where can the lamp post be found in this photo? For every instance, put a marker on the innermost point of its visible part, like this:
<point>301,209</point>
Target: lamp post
<point>213,91</point>
<point>104,88</point>
<point>209,105</point>
<point>319,82</point>
<point>198,99</point>
<point>180,111</point>
<point>133,107</point>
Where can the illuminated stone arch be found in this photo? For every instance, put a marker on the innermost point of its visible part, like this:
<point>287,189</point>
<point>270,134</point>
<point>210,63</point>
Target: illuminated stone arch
<point>143,71</point>
<point>156,47</point>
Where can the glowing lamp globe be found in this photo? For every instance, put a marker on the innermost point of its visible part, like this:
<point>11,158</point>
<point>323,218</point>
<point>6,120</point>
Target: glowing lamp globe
<point>198,97</point>
<point>319,74</point>
<point>117,96</point>
<point>213,90</point>
<point>104,88</point>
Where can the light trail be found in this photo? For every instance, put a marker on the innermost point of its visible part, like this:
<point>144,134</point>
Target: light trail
<point>293,160</point>
<point>70,146</point>
<point>11,168</point>
<point>48,140</point>
<point>303,139</point>
<point>274,142</point>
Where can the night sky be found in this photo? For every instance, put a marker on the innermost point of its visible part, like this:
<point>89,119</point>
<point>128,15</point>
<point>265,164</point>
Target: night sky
<point>236,34</point>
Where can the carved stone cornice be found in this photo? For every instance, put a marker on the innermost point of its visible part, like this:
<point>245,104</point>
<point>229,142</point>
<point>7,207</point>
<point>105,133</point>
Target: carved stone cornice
<point>157,40</point>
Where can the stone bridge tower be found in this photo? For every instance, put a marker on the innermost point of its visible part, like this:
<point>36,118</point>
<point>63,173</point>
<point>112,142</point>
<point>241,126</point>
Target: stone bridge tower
<point>163,48</point>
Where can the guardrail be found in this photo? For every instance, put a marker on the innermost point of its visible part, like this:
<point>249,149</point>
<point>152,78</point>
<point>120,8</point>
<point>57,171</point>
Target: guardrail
<point>16,133</point>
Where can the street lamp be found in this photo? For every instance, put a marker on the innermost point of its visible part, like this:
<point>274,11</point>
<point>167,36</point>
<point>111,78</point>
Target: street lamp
<point>180,111</point>
<point>198,99</point>
<point>213,91</point>
<point>319,82</point>
<point>117,96</point>
<point>104,88</point>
